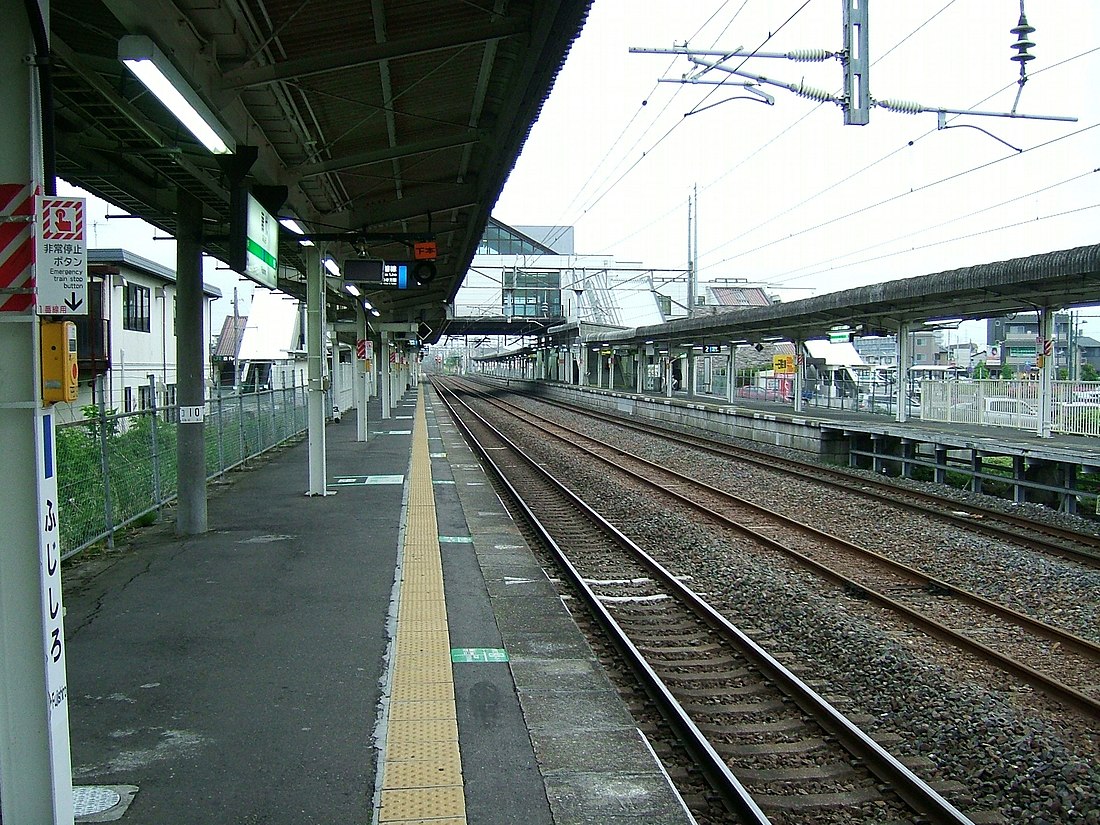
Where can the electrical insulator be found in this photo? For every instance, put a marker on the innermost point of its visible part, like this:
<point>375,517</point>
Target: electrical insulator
<point>905,107</point>
<point>1022,43</point>
<point>810,55</point>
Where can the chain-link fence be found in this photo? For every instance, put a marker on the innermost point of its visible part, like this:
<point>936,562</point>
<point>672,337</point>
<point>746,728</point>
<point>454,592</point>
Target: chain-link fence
<point>114,470</point>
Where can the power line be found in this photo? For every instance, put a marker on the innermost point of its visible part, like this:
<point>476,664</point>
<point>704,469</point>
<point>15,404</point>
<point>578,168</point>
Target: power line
<point>771,142</point>
<point>790,275</point>
<point>675,125</point>
<point>870,165</point>
<point>961,238</point>
<point>561,228</point>
<point>913,191</point>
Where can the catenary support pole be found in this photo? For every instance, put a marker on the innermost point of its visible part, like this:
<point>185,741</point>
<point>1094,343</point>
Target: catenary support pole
<point>191,516</point>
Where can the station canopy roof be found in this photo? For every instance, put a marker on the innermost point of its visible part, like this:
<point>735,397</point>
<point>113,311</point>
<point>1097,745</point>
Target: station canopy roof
<point>1057,280</point>
<point>382,118</point>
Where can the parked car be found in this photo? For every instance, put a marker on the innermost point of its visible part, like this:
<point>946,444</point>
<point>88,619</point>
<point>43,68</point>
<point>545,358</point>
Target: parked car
<point>754,393</point>
<point>1000,411</point>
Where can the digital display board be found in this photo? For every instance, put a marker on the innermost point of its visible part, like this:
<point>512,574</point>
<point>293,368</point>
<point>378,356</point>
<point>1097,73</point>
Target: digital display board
<point>388,274</point>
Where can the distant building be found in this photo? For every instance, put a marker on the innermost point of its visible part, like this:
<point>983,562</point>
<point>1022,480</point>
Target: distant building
<point>927,349</point>
<point>1016,337</point>
<point>272,351</point>
<point>727,295</point>
<point>227,350</point>
<point>1089,351</point>
<point>533,272</point>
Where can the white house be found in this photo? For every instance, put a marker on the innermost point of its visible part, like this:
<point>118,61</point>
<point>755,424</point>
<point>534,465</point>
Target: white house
<point>128,336</point>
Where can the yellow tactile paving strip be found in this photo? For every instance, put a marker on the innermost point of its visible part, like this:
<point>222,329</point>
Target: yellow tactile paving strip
<point>422,777</point>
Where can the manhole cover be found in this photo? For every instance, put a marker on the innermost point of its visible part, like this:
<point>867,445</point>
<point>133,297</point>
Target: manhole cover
<point>92,799</point>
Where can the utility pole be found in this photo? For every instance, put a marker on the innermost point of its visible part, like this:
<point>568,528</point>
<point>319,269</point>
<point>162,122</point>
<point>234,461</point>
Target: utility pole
<point>695,252</point>
<point>690,267</point>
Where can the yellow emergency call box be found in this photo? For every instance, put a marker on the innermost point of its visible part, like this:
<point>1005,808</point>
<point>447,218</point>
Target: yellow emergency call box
<point>59,366</point>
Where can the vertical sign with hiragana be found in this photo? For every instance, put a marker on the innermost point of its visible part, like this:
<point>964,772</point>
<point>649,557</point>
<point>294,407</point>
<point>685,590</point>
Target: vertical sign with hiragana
<point>16,246</point>
<point>61,266</point>
<point>53,620</point>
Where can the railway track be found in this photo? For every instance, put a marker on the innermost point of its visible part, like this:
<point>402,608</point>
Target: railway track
<point>772,748</point>
<point>1073,545</point>
<point>1061,664</point>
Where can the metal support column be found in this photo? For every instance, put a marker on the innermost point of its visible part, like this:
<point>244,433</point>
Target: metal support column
<point>384,377</point>
<point>799,368</point>
<point>35,772</point>
<point>362,391</point>
<point>905,357</point>
<point>315,358</point>
<point>731,377</point>
<point>190,366</point>
<point>334,372</point>
<point>1046,371</point>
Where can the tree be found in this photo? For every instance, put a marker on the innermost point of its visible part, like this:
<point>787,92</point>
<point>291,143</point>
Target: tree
<point>1007,372</point>
<point>981,370</point>
<point>1089,373</point>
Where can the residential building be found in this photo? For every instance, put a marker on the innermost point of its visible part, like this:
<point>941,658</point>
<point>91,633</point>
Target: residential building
<point>927,349</point>
<point>127,341</point>
<point>1016,336</point>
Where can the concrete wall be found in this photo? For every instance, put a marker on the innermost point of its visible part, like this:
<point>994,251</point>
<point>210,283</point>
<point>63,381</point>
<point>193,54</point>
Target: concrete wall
<point>729,421</point>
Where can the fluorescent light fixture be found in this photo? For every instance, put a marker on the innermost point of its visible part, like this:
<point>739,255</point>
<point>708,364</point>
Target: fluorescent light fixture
<point>151,67</point>
<point>331,266</point>
<point>296,228</point>
<point>353,289</point>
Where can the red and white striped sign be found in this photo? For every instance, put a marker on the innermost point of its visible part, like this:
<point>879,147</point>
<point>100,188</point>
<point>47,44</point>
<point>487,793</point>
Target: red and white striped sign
<point>16,247</point>
<point>63,220</point>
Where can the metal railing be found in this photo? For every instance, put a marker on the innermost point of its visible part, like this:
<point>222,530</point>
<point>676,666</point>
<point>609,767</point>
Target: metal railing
<point>1074,405</point>
<point>116,469</point>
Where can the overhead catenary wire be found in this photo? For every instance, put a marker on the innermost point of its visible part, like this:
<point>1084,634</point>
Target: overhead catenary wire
<point>1028,221</point>
<point>772,141</point>
<point>791,275</point>
<point>898,196</point>
<point>865,168</point>
<point>677,123</point>
<point>560,228</point>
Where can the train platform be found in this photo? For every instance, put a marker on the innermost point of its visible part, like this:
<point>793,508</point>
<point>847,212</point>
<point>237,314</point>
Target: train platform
<point>392,653</point>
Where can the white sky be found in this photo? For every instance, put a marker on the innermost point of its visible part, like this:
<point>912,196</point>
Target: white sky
<point>777,182</point>
<point>768,175</point>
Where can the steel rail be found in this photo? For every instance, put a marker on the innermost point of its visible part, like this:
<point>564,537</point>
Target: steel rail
<point>1046,540</point>
<point>1048,684</point>
<point>734,795</point>
<point>903,781</point>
